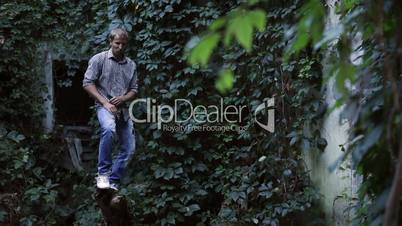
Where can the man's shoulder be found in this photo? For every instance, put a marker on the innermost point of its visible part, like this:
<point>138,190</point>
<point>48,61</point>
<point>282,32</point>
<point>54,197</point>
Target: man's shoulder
<point>99,56</point>
<point>131,62</point>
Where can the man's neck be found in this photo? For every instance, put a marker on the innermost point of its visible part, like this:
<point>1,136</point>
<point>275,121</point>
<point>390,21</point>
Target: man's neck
<point>119,57</point>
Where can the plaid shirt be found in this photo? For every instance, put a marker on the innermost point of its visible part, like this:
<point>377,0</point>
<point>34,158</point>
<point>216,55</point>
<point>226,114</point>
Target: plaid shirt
<point>110,76</point>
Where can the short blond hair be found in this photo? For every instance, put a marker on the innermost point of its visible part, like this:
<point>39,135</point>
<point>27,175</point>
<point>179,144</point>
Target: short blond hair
<point>121,32</point>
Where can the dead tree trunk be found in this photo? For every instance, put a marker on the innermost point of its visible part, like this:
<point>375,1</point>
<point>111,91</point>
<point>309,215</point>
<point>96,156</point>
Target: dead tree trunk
<point>114,208</point>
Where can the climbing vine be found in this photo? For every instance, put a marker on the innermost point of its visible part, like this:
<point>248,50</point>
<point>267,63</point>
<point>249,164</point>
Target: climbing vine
<point>34,185</point>
<point>192,177</point>
<point>66,28</point>
<point>369,85</point>
<point>251,177</point>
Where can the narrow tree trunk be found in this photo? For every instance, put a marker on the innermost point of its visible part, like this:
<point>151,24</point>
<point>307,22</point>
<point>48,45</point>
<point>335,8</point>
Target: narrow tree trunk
<point>114,208</point>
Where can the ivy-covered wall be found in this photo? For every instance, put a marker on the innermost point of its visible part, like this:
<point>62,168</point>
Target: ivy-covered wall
<point>221,178</point>
<point>204,178</point>
<point>67,28</point>
<point>184,178</point>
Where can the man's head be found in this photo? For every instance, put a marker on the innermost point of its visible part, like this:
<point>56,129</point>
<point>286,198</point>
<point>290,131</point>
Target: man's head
<point>118,39</point>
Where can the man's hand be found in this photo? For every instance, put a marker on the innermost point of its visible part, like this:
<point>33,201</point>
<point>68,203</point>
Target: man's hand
<point>110,107</point>
<point>117,100</point>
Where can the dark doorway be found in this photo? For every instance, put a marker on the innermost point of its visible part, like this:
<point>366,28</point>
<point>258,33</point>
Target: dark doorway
<point>71,101</point>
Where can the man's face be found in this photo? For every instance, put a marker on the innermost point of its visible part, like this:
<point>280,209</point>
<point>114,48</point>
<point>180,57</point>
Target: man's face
<point>118,45</point>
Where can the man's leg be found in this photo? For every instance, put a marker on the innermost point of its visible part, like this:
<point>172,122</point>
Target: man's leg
<point>127,147</point>
<point>108,131</point>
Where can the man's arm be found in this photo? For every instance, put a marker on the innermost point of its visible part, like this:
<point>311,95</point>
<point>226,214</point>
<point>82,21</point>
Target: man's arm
<point>90,77</point>
<point>91,89</point>
<point>120,99</point>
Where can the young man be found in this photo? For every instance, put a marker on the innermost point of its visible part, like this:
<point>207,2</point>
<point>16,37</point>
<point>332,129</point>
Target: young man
<point>111,79</point>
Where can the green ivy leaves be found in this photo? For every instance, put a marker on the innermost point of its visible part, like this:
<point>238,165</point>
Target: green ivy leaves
<point>309,27</point>
<point>239,24</point>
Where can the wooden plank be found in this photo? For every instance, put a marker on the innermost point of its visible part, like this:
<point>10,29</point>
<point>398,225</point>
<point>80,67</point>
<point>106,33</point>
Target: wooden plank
<point>73,154</point>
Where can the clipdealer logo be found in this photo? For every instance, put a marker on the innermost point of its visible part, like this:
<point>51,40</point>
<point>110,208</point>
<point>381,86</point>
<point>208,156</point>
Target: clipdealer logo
<point>162,114</point>
<point>267,107</point>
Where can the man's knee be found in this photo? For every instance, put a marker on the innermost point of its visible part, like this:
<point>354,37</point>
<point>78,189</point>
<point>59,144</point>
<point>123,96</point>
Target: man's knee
<point>108,128</point>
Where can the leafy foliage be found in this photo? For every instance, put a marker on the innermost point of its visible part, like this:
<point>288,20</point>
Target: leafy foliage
<point>191,177</point>
<point>369,84</point>
<point>29,30</point>
<point>35,189</point>
<point>216,178</point>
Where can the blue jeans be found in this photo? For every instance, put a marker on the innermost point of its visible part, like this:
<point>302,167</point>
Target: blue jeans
<point>110,127</point>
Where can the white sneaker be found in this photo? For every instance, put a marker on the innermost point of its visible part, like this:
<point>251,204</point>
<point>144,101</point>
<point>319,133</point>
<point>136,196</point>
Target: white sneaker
<point>114,186</point>
<point>102,181</point>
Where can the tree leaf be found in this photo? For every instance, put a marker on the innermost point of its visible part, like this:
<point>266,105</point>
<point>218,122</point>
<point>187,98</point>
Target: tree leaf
<point>203,50</point>
<point>259,19</point>
<point>243,31</point>
<point>218,23</point>
<point>225,81</point>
